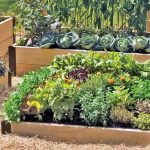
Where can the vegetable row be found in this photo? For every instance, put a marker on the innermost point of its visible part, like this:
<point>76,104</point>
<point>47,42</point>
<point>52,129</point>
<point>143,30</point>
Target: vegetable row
<point>86,89</point>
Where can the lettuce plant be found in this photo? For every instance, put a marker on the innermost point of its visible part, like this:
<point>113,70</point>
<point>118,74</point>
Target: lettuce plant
<point>30,81</point>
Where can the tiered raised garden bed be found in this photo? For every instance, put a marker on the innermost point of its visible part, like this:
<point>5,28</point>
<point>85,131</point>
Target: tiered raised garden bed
<point>59,105</point>
<point>7,36</point>
<point>25,59</point>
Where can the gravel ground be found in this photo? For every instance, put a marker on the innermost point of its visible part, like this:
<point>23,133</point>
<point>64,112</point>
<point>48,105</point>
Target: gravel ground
<point>12,142</point>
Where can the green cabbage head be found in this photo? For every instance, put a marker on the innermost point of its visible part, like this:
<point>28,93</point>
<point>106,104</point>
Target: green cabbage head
<point>140,42</point>
<point>88,41</point>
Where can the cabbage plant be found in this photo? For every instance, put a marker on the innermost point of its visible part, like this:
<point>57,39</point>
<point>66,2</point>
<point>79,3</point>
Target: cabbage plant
<point>140,42</point>
<point>123,45</point>
<point>68,40</point>
<point>88,41</point>
<point>47,40</point>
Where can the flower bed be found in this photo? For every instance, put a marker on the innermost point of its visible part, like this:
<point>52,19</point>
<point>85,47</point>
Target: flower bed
<point>6,32</point>
<point>84,89</point>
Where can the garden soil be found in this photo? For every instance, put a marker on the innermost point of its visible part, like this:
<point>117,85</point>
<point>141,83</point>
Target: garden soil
<point>12,142</point>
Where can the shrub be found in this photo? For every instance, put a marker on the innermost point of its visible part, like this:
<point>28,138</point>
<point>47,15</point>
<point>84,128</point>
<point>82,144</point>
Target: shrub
<point>121,115</point>
<point>143,121</point>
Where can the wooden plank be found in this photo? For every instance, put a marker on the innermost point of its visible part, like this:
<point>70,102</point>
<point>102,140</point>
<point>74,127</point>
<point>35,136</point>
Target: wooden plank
<point>148,22</point>
<point>38,56</point>
<point>81,134</point>
<point>32,58</point>
<point>4,82</point>
<point>6,29</point>
<point>4,46</point>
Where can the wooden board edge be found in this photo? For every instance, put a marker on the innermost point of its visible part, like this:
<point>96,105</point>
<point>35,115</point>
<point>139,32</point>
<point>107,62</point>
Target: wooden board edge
<point>12,60</point>
<point>5,127</point>
<point>79,134</point>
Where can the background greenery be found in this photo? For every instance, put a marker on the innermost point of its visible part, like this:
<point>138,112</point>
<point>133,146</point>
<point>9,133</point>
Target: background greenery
<point>5,5</point>
<point>99,14</point>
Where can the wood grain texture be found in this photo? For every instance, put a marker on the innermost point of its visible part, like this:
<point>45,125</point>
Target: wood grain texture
<point>32,58</point>
<point>4,81</point>
<point>82,134</point>
<point>148,22</point>
<point>6,29</point>
<point>4,46</point>
<point>6,35</point>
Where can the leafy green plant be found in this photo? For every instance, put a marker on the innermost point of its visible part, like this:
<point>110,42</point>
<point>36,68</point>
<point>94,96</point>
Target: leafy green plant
<point>121,115</point>
<point>120,14</point>
<point>119,97</point>
<point>57,95</point>
<point>68,40</point>
<point>30,81</point>
<point>141,89</point>
<point>92,84</point>
<point>62,100</point>
<point>88,41</point>
<point>94,108</point>
<point>140,43</point>
<point>123,45</point>
<point>143,121</point>
<point>36,20</point>
<point>105,42</point>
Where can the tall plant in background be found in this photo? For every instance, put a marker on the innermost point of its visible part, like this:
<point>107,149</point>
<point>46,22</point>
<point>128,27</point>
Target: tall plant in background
<point>118,14</point>
<point>29,14</point>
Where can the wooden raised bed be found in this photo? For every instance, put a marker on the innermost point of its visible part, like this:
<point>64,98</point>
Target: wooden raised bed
<point>5,81</point>
<point>78,134</point>
<point>25,59</point>
<point>6,35</point>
